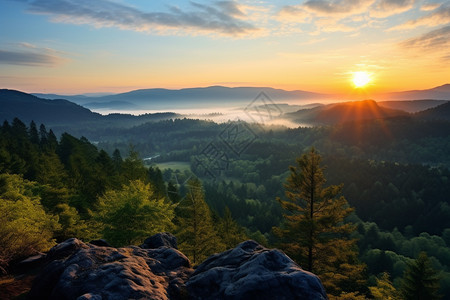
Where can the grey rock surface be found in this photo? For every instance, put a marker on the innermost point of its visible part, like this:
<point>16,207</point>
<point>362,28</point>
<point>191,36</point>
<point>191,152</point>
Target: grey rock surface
<point>251,271</point>
<point>163,239</point>
<point>86,271</point>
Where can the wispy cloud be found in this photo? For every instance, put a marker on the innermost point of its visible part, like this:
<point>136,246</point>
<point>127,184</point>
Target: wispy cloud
<point>437,17</point>
<point>341,8</point>
<point>386,8</point>
<point>29,55</point>
<point>435,40</point>
<point>325,14</point>
<point>222,17</point>
<point>430,6</point>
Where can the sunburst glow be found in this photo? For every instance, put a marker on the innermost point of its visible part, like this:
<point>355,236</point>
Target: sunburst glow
<point>361,79</point>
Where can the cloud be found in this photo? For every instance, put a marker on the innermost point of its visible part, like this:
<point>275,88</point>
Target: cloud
<point>437,17</point>
<point>29,55</point>
<point>386,8</point>
<point>430,6</point>
<point>342,8</point>
<point>293,13</point>
<point>223,17</point>
<point>435,40</point>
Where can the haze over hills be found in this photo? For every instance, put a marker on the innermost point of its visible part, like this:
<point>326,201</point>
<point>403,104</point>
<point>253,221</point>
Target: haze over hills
<point>213,96</point>
<point>64,114</point>
<point>220,96</point>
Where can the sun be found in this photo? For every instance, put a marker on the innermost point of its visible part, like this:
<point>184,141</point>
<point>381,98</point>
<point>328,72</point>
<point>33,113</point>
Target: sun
<point>361,79</point>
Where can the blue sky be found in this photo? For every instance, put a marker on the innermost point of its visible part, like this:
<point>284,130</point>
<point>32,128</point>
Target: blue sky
<point>75,46</point>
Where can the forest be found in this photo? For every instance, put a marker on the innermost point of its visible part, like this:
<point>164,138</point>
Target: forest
<point>387,179</point>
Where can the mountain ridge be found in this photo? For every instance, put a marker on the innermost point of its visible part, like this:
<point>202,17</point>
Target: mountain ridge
<point>338,113</point>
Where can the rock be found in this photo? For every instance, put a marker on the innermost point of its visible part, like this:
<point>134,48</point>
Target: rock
<point>164,239</point>
<point>29,263</point>
<point>84,271</point>
<point>66,248</point>
<point>80,271</point>
<point>100,243</point>
<point>251,271</point>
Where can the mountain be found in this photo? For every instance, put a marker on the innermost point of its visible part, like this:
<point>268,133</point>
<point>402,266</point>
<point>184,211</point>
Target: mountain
<point>441,112</point>
<point>78,99</point>
<point>27,107</point>
<point>412,106</point>
<point>343,112</point>
<point>437,93</point>
<point>213,96</point>
<point>63,115</point>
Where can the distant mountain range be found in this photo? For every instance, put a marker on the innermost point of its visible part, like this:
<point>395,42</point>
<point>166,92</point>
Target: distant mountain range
<point>219,96</point>
<point>65,114</point>
<point>28,107</point>
<point>165,99</point>
<point>412,106</point>
<point>437,93</point>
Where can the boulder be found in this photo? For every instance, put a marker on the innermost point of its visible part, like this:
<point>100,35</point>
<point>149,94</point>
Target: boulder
<point>157,270</point>
<point>100,243</point>
<point>163,239</point>
<point>86,271</point>
<point>251,271</point>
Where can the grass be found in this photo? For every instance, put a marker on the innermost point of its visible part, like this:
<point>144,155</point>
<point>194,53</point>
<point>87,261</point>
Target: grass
<point>175,165</point>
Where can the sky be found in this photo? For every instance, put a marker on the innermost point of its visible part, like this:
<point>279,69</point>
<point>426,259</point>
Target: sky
<point>95,46</point>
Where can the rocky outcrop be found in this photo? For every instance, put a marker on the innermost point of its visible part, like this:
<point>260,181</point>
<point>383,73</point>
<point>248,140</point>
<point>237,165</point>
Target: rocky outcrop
<point>163,239</point>
<point>84,271</point>
<point>157,270</point>
<point>251,271</point>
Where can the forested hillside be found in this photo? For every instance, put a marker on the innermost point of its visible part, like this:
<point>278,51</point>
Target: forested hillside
<point>394,173</point>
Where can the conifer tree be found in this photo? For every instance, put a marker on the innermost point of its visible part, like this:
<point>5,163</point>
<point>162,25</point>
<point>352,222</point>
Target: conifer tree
<point>230,232</point>
<point>197,236</point>
<point>384,290</point>
<point>314,232</point>
<point>420,281</point>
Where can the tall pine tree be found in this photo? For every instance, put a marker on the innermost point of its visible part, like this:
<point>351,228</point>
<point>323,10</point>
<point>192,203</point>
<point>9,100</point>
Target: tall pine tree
<point>314,232</point>
<point>420,281</point>
<point>197,236</point>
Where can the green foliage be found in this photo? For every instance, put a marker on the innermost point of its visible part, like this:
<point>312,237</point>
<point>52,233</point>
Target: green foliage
<point>71,224</point>
<point>420,281</point>
<point>196,233</point>
<point>133,213</point>
<point>229,231</point>
<point>133,167</point>
<point>314,232</point>
<point>384,290</point>
<point>25,226</point>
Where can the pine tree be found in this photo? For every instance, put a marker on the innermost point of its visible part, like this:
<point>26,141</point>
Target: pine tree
<point>420,281</point>
<point>230,232</point>
<point>314,232</point>
<point>384,290</point>
<point>33,133</point>
<point>172,193</point>
<point>197,236</point>
<point>156,179</point>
